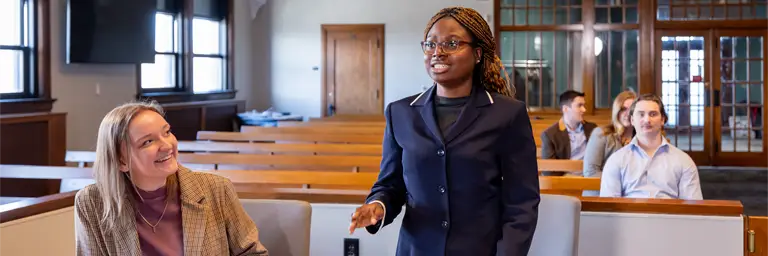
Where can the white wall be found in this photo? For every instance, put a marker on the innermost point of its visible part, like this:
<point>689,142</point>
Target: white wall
<point>293,30</point>
<point>74,85</point>
<point>50,233</point>
<point>600,234</point>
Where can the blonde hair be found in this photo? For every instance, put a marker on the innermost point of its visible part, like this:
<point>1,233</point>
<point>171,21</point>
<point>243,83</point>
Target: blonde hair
<point>615,128</point>
<point>111,147</point>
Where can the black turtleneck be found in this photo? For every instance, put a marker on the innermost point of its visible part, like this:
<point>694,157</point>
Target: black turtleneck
<point>447,110</point>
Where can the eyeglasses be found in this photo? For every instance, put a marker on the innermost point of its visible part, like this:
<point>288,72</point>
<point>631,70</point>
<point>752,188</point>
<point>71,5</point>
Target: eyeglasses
<point>448,47</point>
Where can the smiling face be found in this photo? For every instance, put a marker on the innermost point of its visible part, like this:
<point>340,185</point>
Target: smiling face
<point>153,148</point>
<point>453,68</point>
<point>624,113</point>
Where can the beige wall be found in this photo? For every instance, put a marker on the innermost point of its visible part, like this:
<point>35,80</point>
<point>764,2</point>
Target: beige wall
<point>274,56</point>
<point>74,85</point>
<point>290,30</point>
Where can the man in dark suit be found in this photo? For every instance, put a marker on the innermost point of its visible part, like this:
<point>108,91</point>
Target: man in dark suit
<point>567,139</point>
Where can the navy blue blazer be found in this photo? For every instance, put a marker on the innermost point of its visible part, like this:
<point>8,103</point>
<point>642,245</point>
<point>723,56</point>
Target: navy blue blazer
<point>467,193</point>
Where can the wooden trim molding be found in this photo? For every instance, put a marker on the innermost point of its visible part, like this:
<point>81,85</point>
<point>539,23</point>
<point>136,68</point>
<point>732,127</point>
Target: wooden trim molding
<point>662,206</point>
<point>589,204</point>
<point>34,206</point>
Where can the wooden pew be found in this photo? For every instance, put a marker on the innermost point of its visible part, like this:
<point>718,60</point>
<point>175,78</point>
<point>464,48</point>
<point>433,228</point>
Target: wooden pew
<point>300,137</point>
<point>286,137</point>
<point>591,205</point>
<point>337,133</point>
<point>273,148</point>
<point>371,163</point>
<point>250,181</point>
<point>364,130</point>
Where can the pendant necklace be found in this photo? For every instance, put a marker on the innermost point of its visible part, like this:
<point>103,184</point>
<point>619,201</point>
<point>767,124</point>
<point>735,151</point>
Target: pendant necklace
<point>158,220</point>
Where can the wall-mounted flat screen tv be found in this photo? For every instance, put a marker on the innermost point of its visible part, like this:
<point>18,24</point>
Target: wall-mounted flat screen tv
<point>111,31</point>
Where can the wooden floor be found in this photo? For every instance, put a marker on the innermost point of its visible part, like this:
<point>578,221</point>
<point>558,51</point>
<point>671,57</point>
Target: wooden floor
<point>748,185</point>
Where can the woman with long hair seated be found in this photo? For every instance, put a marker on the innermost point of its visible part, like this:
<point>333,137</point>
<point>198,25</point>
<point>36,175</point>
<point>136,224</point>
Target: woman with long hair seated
<point>609,138</point>
<point>145,203</point>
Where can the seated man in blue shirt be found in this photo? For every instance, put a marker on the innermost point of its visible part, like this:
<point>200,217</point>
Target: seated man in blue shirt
<point>650,167</point>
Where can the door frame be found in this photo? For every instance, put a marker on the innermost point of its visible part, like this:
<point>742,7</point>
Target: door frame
<point>325,29</point>
<point>738,158</point>
<point>705,156</point>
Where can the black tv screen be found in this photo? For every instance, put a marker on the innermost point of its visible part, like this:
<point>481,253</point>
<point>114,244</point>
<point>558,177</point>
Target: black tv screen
<point>111,31</point>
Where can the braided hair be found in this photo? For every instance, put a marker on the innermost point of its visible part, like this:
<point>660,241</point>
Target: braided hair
<point>488,71</point>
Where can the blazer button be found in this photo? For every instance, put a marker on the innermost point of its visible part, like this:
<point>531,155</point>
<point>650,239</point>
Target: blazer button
<point>440,152</point>
<point>445,224</point>
<point>442,189</point>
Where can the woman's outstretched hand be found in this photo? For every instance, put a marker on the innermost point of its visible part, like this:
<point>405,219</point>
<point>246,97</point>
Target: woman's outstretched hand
<point>366,215</point>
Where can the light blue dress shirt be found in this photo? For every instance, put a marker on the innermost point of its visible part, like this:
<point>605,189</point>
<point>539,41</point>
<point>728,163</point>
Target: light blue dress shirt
<point>669,173</point>
<point>578,142</point>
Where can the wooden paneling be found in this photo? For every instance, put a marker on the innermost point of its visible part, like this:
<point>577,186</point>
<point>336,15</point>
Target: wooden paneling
<point>185,122</point>
<point>187,119</point>
<point>32,139</point>
<point>219,118</point>
<point>758,246</point>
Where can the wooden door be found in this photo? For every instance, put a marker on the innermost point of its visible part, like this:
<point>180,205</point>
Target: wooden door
<point>353,81</point>
<point>740,64</point>
<point>756,236</point>
<point>683,77</point>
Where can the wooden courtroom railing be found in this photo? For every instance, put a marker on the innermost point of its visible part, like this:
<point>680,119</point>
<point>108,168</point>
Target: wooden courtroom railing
<point>244,179</point>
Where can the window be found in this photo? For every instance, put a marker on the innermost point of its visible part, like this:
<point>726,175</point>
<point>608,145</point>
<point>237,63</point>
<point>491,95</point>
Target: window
<point>682,72</point>
<point>163,74</point>
<point>537,41</point>
<point>617,51</point>
<point>711,10</point>
<point>544,62</point>
<point>16,52</point>
<point>208,62</point>
<point>191,50</point>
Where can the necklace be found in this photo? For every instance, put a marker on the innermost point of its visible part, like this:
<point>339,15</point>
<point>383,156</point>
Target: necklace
<point>158,220</point>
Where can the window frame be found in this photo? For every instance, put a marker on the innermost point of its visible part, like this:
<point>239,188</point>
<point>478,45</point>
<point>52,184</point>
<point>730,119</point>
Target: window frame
<point>177,57</point>
<point>36,96</point>
<point>184,90</point>
<point>222,52</point>
<point>589,28</point>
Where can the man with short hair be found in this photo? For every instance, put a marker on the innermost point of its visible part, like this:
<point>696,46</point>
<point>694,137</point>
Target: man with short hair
<point>567,139</point>
<point>650,167</point>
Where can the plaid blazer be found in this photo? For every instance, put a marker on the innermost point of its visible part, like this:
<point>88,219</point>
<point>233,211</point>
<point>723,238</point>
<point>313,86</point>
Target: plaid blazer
<point>213,221</point>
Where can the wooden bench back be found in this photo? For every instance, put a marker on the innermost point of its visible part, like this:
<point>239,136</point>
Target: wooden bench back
<point>316,130</point>
<point>281,148</point>
<point>321,162</point>
<point>246,180</point>
<point>287,137</point>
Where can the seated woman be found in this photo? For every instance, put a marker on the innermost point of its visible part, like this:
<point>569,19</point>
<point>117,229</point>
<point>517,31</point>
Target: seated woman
<point>607,139</point>
<point>145,203</point>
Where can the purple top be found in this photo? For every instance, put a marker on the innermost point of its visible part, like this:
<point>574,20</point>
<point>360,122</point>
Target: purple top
<point>168,237</point>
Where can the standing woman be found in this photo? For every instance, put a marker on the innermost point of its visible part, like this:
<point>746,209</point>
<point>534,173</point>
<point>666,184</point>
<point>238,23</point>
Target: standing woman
<point>461,156</point>
<point>145,203</point>
<point>606,140</point>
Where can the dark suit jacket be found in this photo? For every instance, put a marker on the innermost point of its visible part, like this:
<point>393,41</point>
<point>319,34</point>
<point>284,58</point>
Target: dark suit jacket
<point>467,192</point>
<point>555,143</point>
